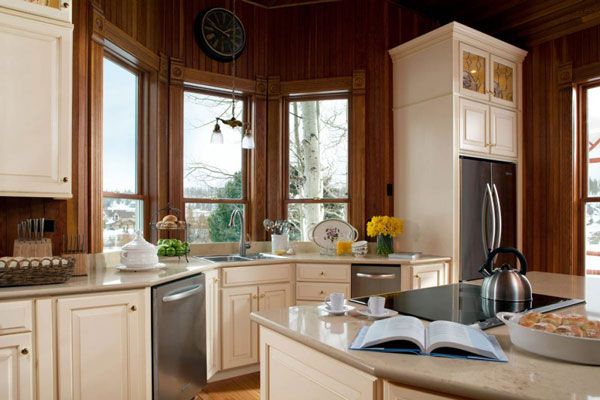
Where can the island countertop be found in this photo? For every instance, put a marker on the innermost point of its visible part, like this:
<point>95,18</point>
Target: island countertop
<point>525,376</point>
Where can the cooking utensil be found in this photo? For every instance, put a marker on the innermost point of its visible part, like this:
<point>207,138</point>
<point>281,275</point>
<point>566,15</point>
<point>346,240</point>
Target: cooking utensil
<point>505,283</point>
<point>567,348</point>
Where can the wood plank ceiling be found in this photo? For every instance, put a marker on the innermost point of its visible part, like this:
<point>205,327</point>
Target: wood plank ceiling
<point>522,22</point>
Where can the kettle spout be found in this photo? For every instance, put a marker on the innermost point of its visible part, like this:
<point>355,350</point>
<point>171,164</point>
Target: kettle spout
<point>484,271</point>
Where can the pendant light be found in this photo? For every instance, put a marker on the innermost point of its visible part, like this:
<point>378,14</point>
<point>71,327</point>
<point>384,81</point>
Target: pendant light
<point>233,122</point>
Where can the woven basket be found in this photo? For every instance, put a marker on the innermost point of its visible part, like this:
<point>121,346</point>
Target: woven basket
<point>39,271</point>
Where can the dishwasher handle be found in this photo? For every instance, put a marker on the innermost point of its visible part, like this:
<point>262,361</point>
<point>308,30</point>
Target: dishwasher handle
<point>182,293</point>
<point>375,276</point>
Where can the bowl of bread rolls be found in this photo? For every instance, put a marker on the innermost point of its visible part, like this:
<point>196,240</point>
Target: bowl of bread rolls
<point>568,337</point>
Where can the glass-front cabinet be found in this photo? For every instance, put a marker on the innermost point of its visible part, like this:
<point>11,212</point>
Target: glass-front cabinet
<point>504,82</point>
<point>485,76</point>
<point>474,72</point>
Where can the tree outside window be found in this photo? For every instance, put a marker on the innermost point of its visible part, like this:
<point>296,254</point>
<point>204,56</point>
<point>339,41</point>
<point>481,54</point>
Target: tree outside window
<point>317,163</point>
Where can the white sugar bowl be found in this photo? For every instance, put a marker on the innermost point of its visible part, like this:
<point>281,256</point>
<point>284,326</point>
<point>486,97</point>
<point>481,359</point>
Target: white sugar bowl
<point>139,253</point>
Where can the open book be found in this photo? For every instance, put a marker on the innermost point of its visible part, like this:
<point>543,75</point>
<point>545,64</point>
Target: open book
<point>404,334</point>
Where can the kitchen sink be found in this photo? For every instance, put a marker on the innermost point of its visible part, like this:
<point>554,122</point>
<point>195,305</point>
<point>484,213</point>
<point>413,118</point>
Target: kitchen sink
<point>238,258</point>
<point>230,258</point>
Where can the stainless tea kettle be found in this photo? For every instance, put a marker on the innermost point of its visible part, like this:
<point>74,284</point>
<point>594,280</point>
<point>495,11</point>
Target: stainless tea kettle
<point>505,283</point>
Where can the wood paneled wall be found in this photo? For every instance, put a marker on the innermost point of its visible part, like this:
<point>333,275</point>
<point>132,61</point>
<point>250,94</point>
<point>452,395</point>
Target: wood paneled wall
<point>322,40</point>
<point>552,232</point>
<point>333,39</point>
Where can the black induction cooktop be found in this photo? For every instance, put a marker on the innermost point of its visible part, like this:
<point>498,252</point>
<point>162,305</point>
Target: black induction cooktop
<point>462,303</point>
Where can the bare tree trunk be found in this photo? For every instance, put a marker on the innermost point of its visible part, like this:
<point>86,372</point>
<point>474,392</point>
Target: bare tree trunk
<point>313,187</point>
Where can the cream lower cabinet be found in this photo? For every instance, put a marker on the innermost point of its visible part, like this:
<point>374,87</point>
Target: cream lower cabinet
<point>392,391</point>
<point>315,281</point>
<point>292,371</point>
<point>213,324</point>
<point>422,276</point>
<point>239,338</point>
<point>16,367</point>
<point>103,344</point>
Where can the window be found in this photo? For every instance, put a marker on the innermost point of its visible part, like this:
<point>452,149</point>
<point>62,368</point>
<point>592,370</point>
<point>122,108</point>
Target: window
<point>590,100</point>
<point>317,162</point>
<point>214,179</point>
<point>123,202</point>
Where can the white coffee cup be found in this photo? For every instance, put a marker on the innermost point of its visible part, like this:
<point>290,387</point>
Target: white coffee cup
<point>335,301</point>
<point>376,305</point>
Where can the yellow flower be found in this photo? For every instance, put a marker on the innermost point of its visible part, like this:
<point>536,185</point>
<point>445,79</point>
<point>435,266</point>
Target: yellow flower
<point>385,225</point>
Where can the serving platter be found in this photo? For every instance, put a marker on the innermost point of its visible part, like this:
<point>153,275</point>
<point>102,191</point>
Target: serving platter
<point>326,233</point>
<point>567,348</point>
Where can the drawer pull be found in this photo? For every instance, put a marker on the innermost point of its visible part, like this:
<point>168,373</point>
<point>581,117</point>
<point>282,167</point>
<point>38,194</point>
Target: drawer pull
<point>25,351</point>
<point>133,308</point>
<point>262,296</point>
<point>321,292</point>
<point>322,273</point>
<point>254,296</point>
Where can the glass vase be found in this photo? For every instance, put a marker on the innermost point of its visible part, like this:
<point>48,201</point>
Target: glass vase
<point>385,245</point>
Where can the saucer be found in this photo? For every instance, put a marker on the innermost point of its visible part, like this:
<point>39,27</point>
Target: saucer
<point>387,313</point>
<point>326,308</point>
<point>122,267</point>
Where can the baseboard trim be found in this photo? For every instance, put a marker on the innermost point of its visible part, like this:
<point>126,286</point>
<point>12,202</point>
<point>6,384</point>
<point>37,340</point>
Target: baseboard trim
<point>232,373</point>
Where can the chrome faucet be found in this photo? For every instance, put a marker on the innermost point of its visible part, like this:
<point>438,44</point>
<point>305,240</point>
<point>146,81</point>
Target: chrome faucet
<point>243,245</point>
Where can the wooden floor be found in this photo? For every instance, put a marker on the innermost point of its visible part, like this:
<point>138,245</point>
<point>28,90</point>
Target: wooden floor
<point>246,387</point>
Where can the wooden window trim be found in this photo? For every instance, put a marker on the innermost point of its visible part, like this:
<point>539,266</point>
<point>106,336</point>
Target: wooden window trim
<point>582,156</point>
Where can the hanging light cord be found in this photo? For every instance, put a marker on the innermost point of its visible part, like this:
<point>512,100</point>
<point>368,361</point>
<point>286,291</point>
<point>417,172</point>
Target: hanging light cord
<point>233,64</point>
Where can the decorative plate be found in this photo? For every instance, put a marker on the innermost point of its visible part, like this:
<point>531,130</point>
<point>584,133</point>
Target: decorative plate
<point>326,233</point>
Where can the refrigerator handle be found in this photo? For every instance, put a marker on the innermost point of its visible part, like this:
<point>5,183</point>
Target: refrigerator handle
<point>487,197</point>
<point>499,224</point>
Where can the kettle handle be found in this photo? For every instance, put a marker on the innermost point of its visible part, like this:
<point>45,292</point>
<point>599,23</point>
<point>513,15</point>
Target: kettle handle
<point>507,250</point>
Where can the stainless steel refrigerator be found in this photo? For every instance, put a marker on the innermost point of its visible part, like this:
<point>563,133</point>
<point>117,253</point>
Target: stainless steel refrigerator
<point>488,212</point>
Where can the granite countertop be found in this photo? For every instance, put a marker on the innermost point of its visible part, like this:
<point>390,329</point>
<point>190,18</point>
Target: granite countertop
<point>525,376</point>
<point>105,277</point>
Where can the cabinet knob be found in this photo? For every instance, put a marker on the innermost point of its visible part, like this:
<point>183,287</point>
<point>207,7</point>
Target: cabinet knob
<point>65,5</point>
<point>215,280</point>
<point>254,296</point>
<point>321,292</point>
<point>25,351</point>
<point>262,296</point>
<point>322,273</point>
<point>65,179</point>
<point>133,308</point>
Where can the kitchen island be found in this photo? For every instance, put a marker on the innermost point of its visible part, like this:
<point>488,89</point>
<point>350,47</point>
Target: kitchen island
<point>304,354</point>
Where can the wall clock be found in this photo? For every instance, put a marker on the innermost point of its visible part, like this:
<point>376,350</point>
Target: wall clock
<point>220,33</point>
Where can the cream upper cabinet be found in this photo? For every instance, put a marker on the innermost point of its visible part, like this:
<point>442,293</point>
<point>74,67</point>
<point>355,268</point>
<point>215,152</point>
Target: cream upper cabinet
<point>35,117</point>
<point>16,367</point>
<point>103,346</point>
<point>503,132</point>
<point>473,126</point>
<point>239,338</point>
<point>213,331</point>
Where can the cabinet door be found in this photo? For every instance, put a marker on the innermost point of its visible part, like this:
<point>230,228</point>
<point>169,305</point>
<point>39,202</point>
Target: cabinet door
<point>425,276</point>
<point>35,120</point>
<point>102,347</point>
<point>395,392</point>
<point>213,333</point>
<point>503,132</point>
<point>272,297</point>
<point>240,335</point>
<point>504,81</point>
<point>474,66</point>
<point>473,126</point>
<point>16,367</point>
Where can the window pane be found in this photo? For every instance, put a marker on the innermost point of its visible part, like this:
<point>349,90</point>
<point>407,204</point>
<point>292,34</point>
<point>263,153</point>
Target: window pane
<point>209,223</point>
<point>212,171</point>
<point>119,129</point>
<point>305,216</point>
<point>121,219</point>
<point>592,236</point>
<point>593,130</point>
<point>318,149</point>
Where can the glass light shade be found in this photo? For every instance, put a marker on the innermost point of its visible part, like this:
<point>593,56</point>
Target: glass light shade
<point>217,136</point>
<point>247,141</point>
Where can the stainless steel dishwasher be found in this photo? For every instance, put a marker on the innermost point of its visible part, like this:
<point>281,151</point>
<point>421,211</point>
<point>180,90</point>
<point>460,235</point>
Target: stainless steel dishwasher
<point>178,339</point>
<point>369,280</point>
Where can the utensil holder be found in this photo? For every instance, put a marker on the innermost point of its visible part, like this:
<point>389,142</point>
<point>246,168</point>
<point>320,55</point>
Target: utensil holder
<point>32,248</point>
<point>81,263</point>
<point>279,243</point>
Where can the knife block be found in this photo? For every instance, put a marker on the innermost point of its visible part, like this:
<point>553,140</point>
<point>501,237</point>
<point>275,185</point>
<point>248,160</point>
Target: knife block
<point>32,248</point>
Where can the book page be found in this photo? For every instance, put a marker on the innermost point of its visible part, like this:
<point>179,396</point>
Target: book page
<point>445,334</point>
<point>396,329</point>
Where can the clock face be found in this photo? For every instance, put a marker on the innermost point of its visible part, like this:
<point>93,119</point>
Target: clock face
<point>220,34</point>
